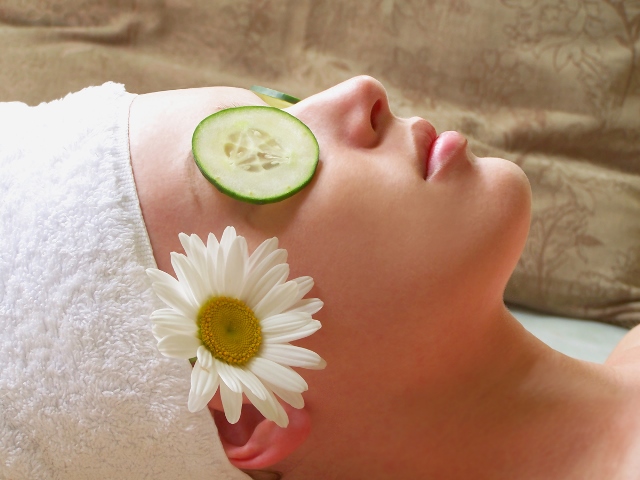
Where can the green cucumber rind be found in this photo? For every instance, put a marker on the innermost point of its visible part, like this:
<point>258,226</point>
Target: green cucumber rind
<point>248,199</point>
<point>274,93</point>
<point>273,102</point>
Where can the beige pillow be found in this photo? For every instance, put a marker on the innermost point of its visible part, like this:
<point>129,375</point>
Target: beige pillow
<point>553,86</point>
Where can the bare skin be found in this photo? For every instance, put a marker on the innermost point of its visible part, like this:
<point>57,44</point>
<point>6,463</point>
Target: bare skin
<point>429,375</point>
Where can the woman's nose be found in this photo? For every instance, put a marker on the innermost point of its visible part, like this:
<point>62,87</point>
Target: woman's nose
<point>355,111</point>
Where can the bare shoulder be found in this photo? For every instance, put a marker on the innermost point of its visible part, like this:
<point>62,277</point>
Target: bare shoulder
<point>625,361</point>
<point>627,352</point>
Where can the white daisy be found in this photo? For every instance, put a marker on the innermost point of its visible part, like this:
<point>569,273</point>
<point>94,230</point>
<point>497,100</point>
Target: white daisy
<point>237,314</point>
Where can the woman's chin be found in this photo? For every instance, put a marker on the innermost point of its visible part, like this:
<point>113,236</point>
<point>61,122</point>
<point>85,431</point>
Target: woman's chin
<point>509,191</point>
<point>507,176</point>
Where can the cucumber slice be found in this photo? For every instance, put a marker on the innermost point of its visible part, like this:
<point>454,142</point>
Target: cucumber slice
<point>256,154</point>
<point>273,97</point>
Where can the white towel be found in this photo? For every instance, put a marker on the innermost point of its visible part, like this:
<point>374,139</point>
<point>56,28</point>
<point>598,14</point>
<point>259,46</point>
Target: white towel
<point>84,393</point>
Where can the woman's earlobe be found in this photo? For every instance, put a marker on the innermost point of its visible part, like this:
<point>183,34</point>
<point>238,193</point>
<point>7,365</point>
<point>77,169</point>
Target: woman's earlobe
<point>255,442</point>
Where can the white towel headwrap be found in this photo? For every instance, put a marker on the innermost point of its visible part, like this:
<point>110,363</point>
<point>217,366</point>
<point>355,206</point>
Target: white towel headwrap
<point>84,392</point>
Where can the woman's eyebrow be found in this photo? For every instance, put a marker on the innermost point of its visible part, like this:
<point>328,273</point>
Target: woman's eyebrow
<point>224,105</point>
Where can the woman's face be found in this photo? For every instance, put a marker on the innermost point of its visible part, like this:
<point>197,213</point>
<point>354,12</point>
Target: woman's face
<point>396,213</point>
<point>410,239</point>
<point>408,236</point>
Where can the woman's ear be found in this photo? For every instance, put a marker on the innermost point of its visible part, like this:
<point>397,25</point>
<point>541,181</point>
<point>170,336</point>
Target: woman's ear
<point>255,442</point>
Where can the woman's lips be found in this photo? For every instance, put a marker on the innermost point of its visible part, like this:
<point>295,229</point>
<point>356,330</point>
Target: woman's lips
<point>443,152</point>
<point>424,135</point>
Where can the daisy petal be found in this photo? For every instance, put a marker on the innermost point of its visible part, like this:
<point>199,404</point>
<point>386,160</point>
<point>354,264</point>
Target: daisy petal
<point>158,276</point>
<point>251,382</point>
<point>305,284</point>
<point>179,346</point>
<point>292,398</point>
<point>259,271</point>
<point>293,356</point>
<point>309,305</point>
<point>277,300</point>
<point>170,317</point>
<point>197,254</point>
<point>163,311</point>
<point>285,337</point>
<point>165,281</point>
<point>228,236</point>
<point>185,241</point>
<point>260,253</point>
<point>276,276</point>
<point>190,279</point>
<point>218,271</point>
<point>204,384</point>
<point>160,331</point>
<point>276,257</point>
<point>276,374</point>
<point>284,322</point>
<point>227,373</point>
<point>212,256</point>
<point>175,299</point>
<point>244,248</point>
<point>270,408</point>
<point>282,420</point>
<point>231,402</point>
<point>205,359</point>
<point>212,244</point>
<point>198,244</point>
<point>193,247</point>
<point>234,269</point>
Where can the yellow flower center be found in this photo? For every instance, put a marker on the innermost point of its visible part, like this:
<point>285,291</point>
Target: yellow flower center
<point>230,330</point>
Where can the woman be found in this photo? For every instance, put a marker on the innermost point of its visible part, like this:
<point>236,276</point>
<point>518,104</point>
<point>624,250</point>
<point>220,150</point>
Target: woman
<point>410,239</point>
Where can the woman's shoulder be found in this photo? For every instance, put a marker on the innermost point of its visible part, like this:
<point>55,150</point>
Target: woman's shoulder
<point>620,459</point>
<point>627,352</point>
<point>625,363</point>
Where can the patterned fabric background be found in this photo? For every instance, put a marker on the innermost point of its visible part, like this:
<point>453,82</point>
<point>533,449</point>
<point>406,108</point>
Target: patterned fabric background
<point>553,85</point>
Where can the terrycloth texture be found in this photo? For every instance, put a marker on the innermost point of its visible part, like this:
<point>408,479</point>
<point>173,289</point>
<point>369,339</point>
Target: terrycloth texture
<point>552,85</point>
<point>83,391</point>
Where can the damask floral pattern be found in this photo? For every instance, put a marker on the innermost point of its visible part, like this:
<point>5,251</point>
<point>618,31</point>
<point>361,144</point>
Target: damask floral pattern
<point>553,85</point>
<point>573,34</point>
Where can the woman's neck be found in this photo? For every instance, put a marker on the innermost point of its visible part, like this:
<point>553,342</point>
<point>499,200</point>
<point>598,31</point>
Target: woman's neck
<point>531,412</point>
<point>500,405</point>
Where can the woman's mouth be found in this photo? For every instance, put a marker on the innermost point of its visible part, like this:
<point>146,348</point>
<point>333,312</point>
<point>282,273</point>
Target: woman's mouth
<point>424,135</point>
<point>444,151</point>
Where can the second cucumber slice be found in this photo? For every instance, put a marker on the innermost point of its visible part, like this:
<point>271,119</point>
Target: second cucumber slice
<point>256,154</point>
<point>273,97</point>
